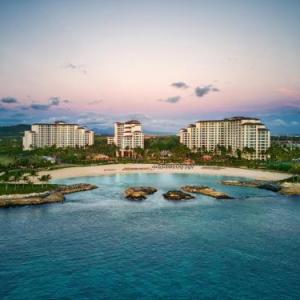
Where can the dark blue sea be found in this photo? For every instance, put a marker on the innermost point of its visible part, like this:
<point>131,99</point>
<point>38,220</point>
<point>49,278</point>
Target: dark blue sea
<point>97,245</point>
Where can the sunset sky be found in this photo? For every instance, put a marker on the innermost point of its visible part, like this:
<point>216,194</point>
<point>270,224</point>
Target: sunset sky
<point>166,63</point>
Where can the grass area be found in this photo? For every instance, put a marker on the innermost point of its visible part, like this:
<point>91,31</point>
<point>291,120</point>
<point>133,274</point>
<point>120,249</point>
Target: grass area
<point>5,160</point>
<point>10,188</point>
<point>62,166</point>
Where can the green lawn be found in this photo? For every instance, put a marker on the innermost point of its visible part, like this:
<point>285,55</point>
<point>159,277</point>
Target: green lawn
<point>10,188</point>
<point>5,159</point>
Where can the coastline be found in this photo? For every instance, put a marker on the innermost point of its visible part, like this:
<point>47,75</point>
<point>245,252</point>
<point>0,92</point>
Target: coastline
<point>101,170</point>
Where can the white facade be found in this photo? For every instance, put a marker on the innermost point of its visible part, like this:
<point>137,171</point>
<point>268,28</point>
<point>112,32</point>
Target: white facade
<point>234,133</point>
<point>110,140</point>
<point>59,134</point>
<point>128,135</point>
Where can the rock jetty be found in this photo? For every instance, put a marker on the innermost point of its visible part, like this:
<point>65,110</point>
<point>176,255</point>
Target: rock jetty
<point>290,188</point>
<point>31,199</point>
<point>177,196</point>
<point>74,188</point>
<point>240,183</point>
<point>270,186</point>
<point>205,190</point>
<point>139,193</point>
<point>54,196</point>
<point>266,185</point>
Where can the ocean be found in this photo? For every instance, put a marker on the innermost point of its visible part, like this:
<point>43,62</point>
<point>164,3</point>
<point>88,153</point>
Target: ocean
<point>98,245</point>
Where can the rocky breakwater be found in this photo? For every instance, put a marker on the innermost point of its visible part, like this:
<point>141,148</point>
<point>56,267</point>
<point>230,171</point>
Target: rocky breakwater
<point>266,185</point>
<point>240,183</point>
<point>47,197</point>
<point>177,195</point>
<point>31,199</point>
<point>138,193</point>
<point>290,188</point>
<point>205,190</point>
<point>74,188</point>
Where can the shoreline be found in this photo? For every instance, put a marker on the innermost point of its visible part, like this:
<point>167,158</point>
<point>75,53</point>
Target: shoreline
<point>118,169</point>
<point>45,197</point>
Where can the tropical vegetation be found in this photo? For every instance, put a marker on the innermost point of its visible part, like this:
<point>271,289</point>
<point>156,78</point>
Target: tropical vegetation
<point>15,163</point>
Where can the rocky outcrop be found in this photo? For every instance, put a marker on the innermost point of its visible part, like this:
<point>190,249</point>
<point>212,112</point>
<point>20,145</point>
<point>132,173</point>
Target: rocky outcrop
<point>31,199</point>
<point>177,196</point>
<point>204,190</point>
<point>270,186</point>
<point>266,185</point>
<point>290,188</point>
<point>139,193</point>
<point>74,188</point>
<point>194,188</point>
<point>240,183</point>
<point>54,197</point>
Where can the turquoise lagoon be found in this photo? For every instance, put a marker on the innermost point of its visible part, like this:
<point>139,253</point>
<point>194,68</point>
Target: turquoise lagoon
<point>97,245</point>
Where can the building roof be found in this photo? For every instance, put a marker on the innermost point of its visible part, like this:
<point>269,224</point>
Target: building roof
<point>61,124</point>
<point>249,123</point>
<point>240,118</point>
<point>229,119</point>
<point>133,122</point>
<point>263,129</point>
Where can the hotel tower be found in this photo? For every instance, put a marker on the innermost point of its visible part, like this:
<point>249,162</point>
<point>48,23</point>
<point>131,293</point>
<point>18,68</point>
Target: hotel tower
<point>233,133</point>
<point>127,136</point>
<point>60,134</point>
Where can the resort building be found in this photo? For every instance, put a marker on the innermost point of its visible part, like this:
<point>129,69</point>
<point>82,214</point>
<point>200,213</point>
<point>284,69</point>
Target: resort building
<point>60,134</point>
<point>247,135</point>
<point>127,137</point>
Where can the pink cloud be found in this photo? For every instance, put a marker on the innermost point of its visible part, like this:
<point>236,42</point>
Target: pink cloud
<point>288,92</point>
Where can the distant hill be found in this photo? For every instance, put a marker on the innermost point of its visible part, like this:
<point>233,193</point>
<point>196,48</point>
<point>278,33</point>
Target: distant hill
<point>14,131</point>
<point>109,131</point>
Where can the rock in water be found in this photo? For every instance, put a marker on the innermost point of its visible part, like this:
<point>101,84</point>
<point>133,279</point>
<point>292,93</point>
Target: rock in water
<point>241,183</point>
<point>55,197</point>
<point>270,186</point>
<point>177,196</point>
<point>194,188</point>
<point>31,199</point>
<point>74,188</point>
<point>204,190</point>
<point>266,185</point>
<point>290,189</point>
<point>139,193</point>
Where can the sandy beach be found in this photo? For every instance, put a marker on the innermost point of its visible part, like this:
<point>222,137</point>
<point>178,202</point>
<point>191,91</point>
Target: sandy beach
<point>149,168</point>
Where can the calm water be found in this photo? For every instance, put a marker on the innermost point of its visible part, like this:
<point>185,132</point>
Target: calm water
<point>97,245</point>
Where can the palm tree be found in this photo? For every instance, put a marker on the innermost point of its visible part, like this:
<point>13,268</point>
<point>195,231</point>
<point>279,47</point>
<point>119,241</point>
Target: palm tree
<point>295,171</point>
<point>25,179</point>
<point>16,179</point>
<point>5,178</point>
<point>248,151</point>
<point>139,151</point>
<point>45,178</point>
<point>239,153</point>
<point>33,173</point>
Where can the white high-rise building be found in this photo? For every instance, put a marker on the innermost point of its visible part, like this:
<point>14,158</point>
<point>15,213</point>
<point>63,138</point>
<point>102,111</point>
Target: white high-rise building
<point>233,133</point>
<point>60,134</point>
<point>127,136</point>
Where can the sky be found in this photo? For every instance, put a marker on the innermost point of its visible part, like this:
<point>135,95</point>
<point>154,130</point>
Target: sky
<point>166,63</point>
